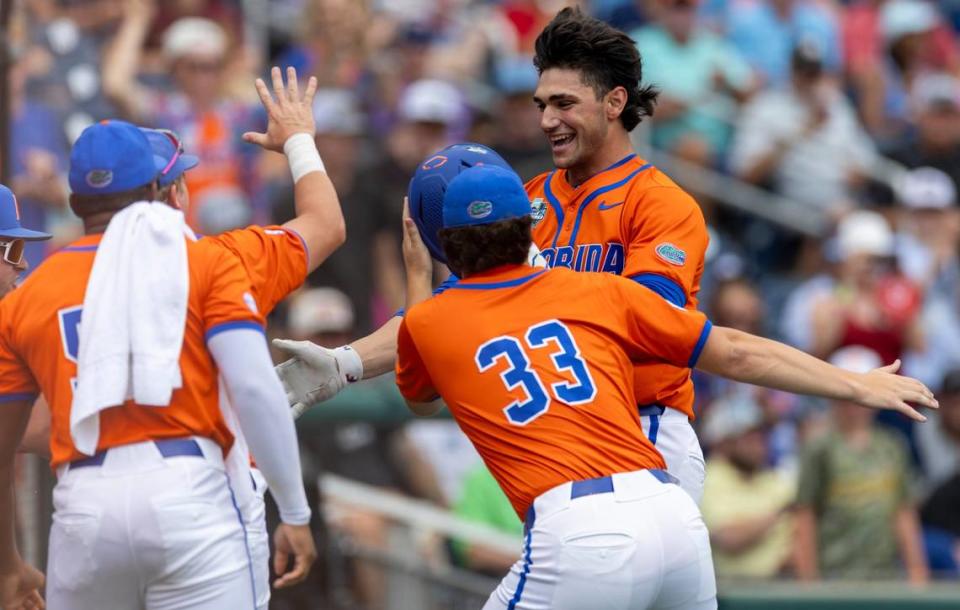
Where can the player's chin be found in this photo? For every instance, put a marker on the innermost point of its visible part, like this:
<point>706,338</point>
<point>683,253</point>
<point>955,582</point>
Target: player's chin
<point>565,159</point>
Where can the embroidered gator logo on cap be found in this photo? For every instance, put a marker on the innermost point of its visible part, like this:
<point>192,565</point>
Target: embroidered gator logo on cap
<point>99,178</point>
<point>479,209</point>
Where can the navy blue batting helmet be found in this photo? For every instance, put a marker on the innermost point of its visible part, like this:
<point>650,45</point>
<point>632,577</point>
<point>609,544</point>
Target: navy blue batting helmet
<point>429,183</point>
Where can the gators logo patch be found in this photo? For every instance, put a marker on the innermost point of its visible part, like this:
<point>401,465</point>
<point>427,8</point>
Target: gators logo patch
<point>99,178</point>
<point>672,254</point>
<point>479,209</point>
<point>538,209</point>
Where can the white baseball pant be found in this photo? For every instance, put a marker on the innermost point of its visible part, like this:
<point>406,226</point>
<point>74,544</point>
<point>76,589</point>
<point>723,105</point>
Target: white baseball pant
<point>626,542</point>
<point>671,433</point>
<point>149,525</point>
<point>255,520</point>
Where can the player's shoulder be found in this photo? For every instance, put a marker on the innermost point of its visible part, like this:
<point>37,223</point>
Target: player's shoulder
<point>535,185</point>
<point>655,187</point>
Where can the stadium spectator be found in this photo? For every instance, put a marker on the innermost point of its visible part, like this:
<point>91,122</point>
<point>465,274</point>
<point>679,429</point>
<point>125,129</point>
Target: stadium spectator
<point>745,502</point>
<point>209,122</point>
<point>737,303</point>
<point>940,441</point>
<point>766,33</point>
<point>855,512</point>
<point>341,126</point>
<point>884,76</point>
<point>928,227</point>
<point>38,164</point>
<point>701,76</point>
<point>803,139</point>
<point>870,305</point>
<point>518,137</point>
<point>935,109</point>
<point>429,112</point>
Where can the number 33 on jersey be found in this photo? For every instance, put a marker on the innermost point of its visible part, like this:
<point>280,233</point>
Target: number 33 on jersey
<point>536,366</point>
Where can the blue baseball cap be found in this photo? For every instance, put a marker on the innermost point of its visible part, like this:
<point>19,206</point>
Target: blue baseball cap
<point>168,147</point>
<point>112,157</point>
<point>10,219</point>
<point>482,195</point>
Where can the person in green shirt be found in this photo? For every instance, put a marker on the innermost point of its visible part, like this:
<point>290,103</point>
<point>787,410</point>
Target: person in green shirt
<point>481,500</point>
<point>855,517</point>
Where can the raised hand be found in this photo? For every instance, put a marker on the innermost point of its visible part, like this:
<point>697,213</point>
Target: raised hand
<point>288,114</point>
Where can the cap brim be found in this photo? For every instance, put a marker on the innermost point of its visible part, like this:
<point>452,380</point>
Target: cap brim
<point>24,234</point>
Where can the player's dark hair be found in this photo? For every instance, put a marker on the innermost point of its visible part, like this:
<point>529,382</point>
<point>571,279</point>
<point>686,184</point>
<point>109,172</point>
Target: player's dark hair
<point>605,57</point>
<point>87,205</point>
<point>164,193</point>
<point>471,250</point>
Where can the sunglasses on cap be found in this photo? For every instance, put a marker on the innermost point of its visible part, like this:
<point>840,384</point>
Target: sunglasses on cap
<point>177,144</point>
<point>13,251</point>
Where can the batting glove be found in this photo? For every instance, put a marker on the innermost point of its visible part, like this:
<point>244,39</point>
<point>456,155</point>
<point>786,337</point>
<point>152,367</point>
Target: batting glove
<point>314,373</point>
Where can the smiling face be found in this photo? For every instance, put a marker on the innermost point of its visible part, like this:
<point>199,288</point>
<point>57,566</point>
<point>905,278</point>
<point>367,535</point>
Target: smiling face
<point>575,121</point>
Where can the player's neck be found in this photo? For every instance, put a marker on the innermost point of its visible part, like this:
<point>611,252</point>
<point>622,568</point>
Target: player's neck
<point>615,149</point>
<point>96,224</point>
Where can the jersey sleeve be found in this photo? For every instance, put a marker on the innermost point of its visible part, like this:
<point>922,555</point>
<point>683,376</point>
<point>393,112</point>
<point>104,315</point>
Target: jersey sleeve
<point>666,244</point>
<point>413,380</point>
<point>651,327</point>
<point>227,301</point>
<point>274,257</point>
<point>16,380</point>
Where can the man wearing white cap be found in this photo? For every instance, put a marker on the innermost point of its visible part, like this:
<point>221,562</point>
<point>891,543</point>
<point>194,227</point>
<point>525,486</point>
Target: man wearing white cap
<point>209,123</point>
<point>870,304</point>
<point>928,227</point>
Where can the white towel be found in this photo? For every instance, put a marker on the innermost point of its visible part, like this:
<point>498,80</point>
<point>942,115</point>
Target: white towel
<point>134,316</point>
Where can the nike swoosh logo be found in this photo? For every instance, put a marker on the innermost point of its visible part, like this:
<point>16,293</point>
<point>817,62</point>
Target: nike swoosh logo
<point>603,205</point>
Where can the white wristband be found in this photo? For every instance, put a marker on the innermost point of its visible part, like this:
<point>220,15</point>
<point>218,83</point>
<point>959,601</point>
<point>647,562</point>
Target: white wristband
<point>302,155</point>
<point>351,366</point>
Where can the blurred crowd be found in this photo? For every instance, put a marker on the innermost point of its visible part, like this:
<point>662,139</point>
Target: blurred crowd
<point>850,109</point>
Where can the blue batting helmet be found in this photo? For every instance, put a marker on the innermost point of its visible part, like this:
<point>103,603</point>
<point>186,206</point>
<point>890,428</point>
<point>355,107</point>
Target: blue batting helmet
<point>429,184</point>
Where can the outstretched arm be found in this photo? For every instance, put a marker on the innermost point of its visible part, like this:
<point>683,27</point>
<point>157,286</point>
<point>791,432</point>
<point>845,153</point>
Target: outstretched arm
<point>290,130</point>
<point>751,359</point>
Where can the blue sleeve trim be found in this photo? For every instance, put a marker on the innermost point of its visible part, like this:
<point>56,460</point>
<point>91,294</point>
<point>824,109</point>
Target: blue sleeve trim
<point>237,325</point>
<point>303,242</point>
<point>664,286</point>
<point>704,334</point>
<point>31,396</point>
<point>447,284</point>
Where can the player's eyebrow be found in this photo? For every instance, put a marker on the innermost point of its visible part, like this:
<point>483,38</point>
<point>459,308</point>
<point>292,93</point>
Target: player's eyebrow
<point>557,97</point>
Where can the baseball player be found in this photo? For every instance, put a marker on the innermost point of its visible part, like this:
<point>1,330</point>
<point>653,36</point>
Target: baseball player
<point>603,209</point>
<point>544,388</point>
<point>12,264</point>
<point>146,517</point>
<point>276,258</point>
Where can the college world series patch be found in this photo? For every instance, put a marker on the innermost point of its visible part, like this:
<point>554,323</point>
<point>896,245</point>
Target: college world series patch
<point>538,208</point>
<point>672,254</point>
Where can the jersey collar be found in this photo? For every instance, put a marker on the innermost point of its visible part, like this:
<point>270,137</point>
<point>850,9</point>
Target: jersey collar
<point>87,243</point>
<point>505,276</point>
<point>610,175</point>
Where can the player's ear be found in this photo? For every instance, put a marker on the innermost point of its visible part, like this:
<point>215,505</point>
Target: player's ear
<point>614,102</point>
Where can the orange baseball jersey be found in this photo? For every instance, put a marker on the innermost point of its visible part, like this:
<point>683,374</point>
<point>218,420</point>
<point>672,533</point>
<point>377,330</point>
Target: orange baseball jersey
<point>274,257</point>
<point>39,345</point>
<point>630,220</point>
<point>540,383</point>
